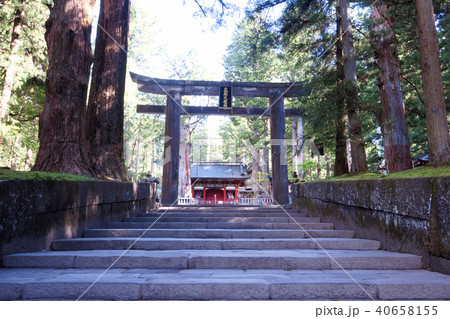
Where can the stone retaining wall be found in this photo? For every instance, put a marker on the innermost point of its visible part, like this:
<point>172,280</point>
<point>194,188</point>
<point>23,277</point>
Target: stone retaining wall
<point>405,215</point>
<point>34,213</point>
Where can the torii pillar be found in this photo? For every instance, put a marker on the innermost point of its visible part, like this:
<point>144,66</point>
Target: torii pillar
<point>280,181</point>
<point>169,194</point>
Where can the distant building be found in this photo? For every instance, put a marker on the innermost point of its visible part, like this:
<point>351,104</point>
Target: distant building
<point>218,183</point>
<point>417,162</point>
<point>421,160</point>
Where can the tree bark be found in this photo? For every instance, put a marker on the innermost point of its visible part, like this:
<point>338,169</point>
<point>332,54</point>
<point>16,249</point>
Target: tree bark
<point>397,152</point>
<point>185,155</point>
<point>137,157</point>
<point>61,124</point>
<point>340,164</point>
<point>328,166</point>
<point>265,171</point>
<point>436,115</point>
<point>352,92</point>
<point>256,170</point>
<point>300,144</point>
<point>132,155</point>
<point>297,135</point>
<point>319,168</point>
<point>14,148</point>
<point>295,146</point>
<point>28,158</point>
<point>256,167</point>
<point>105,113</point>
<point>10,71</point>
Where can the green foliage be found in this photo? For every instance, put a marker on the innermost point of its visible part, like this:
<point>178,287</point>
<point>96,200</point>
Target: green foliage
<point>19,132</point>
<point>252,56</point>
<point>308,167</point>
<point>297,46</point>
<point>261,181</point>
<point>144,133</point>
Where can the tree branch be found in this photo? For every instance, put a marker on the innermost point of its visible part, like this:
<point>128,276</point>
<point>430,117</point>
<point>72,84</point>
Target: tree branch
<point>201,7</point>
<point>416,89</point>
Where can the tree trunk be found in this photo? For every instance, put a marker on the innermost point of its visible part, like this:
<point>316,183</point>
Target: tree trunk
<point>328,166</point>
<point>126,147</point>
<point>104,122</point>
<point>300,154</point>
<point>28,159</point>
<point>265,171</point>
<point>61,124</point>
<point>340,165</point>
<point>185,154</point>
<point>295,146</point>
<point>351,90</point>
<point>14,148</point>
<point>256,169</point>
<point>437,127</point>
<point>152,163</point>
<point>137,157</point>
<point>297,152</point>
<point>319,168</point>
<point>397,152</point>
<point>132,155</point>
<point>348,149</point>
<point>10,71</point>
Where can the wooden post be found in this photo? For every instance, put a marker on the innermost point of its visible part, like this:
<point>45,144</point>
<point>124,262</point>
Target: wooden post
<point>280,182</point>
<point>169,194</point>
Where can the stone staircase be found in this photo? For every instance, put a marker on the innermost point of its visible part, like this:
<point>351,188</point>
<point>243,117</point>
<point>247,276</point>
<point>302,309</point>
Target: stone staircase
<point>226,253</point>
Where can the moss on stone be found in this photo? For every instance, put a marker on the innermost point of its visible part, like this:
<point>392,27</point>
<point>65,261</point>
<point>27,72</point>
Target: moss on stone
<point>6,174</point>
<point>354,176</point>
<point>424,171</point>
<point>435,236</point>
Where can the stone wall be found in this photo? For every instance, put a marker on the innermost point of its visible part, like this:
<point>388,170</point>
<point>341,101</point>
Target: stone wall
<point>34,213</point>
<point>405,215</point>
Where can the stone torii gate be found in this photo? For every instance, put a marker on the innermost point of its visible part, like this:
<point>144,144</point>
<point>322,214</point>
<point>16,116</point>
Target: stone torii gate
<point>175,89</point>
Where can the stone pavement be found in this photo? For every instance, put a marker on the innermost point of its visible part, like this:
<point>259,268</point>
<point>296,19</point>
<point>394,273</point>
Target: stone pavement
<point>219,254</point>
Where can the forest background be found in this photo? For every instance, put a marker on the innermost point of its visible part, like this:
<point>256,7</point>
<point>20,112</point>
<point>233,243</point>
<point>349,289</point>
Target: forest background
<point>276,40</point>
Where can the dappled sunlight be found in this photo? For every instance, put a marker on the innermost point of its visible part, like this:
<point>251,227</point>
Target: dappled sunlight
<point>238,220</point>
<point>68,231</point>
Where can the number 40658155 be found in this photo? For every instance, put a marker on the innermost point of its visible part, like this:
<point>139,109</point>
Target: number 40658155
<point>407,310</point>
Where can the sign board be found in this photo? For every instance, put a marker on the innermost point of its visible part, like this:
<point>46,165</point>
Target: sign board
<point>226,98</point>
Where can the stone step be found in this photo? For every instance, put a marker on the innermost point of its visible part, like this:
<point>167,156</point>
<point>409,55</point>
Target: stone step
<point>195,284</point>
<point>216,259</point>
<point>218,233</point>
<point>168,218</point>
<point>220,208</point>
<point>226,215</point>
<point>224,225</point>
<point>212,244</point>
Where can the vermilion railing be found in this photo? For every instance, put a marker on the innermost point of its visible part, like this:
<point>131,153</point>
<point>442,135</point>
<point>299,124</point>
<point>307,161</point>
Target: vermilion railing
<point>228,202</point>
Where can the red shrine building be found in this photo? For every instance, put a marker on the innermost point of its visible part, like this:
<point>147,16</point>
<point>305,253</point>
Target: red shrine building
<point>218,183</point>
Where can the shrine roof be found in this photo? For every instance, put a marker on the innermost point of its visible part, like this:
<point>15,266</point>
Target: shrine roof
<point>218,171</point>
